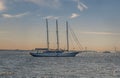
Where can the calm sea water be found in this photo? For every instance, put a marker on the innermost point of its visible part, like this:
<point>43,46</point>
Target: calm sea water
<point>16,64</point>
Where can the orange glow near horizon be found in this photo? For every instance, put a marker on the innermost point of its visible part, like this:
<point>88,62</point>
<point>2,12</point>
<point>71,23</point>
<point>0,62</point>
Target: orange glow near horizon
<point>30,46</point>
<point>31,40</point>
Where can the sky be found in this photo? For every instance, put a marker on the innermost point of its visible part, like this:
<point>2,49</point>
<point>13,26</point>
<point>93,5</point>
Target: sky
<point>96,23</point>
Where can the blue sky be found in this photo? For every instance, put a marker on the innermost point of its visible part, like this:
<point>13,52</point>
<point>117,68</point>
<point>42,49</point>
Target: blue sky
<point>96,22</point>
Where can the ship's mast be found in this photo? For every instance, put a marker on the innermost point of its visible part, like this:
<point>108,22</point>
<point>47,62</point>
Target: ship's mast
<point>57,35</point>
<point>47,34</point>
<point>67,36</point>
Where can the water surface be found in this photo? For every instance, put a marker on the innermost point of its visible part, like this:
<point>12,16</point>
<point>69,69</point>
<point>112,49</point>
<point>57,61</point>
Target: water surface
<point>19,64</point>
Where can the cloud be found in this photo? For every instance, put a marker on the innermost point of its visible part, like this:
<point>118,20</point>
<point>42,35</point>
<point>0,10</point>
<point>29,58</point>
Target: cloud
<point>50,17</point>
<point>2,5</point>
<point>101,33</point>
<point>46,3</point>
<point>14,16</point>
<point>81,6</point>
<point>74,15</point>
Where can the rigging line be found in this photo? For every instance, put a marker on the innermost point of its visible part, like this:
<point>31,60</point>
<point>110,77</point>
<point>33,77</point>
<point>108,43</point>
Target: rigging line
<point>76,39</point>
<point>62,41</point>
<point>73,37</point>
<point>72,42</point>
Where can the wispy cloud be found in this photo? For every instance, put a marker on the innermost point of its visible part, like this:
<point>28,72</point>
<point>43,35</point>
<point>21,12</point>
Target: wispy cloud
<point>81,6</point>
<point>74,15</point>
<point>2,5</point>
<point>14,16</point>
<point>50,17</point>
<point>46,3</point>
<point>101,33</point>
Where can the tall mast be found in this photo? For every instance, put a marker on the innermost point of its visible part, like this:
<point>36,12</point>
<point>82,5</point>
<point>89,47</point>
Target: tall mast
<point>67,36</point>
<point>57,35</point>
<point>47,34</point>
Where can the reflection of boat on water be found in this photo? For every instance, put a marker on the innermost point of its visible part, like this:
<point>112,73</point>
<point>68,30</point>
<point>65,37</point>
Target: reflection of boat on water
<point>56,53</point>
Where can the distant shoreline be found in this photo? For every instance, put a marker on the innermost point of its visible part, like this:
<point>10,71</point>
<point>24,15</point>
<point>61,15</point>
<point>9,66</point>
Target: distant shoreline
<point>13,50</point>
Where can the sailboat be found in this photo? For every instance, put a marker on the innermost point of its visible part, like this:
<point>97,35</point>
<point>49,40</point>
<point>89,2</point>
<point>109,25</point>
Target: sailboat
<point>57,52</point>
